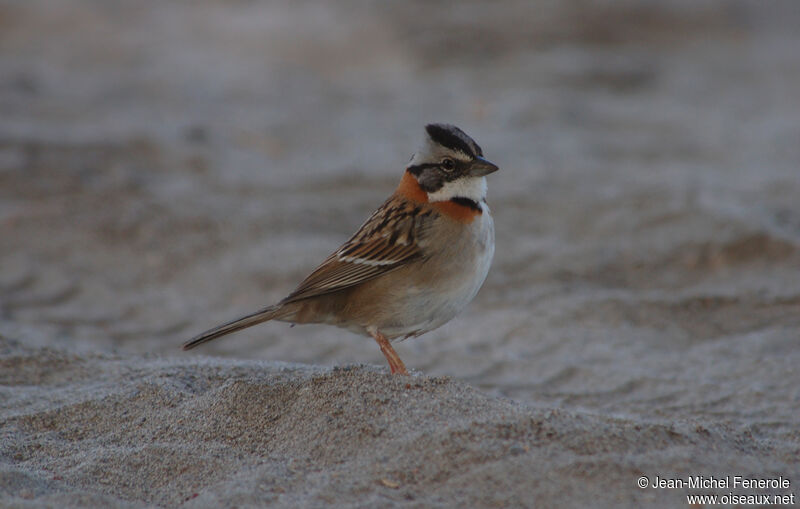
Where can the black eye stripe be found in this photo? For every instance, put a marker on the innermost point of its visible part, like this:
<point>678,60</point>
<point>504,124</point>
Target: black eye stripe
<point>417,169</point>
<point>431,181</point>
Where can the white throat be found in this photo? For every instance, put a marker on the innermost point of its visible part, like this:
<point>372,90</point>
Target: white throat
<point>473,188</point>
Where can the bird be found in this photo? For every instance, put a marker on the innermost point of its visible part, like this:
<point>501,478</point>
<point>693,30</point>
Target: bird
<point>413,265</point>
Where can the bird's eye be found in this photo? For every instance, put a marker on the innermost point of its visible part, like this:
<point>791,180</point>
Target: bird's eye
<point>448,164</point>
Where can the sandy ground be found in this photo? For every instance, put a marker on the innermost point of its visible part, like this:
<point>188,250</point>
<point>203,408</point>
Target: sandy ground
<point>165,166</point>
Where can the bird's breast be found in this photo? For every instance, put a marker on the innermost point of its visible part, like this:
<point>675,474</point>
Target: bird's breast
<point>461,263</point>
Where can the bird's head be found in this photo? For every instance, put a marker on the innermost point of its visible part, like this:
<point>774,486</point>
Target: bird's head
<point>450,165</point>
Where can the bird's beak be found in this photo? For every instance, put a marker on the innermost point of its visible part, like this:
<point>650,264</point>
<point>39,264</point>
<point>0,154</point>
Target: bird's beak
<point>480,167</point>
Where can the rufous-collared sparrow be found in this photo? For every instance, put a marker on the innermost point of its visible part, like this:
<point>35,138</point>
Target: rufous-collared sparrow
<point>413,265</point>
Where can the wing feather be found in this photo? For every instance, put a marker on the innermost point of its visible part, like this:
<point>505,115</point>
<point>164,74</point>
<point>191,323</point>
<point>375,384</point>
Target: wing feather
<point>385,242</point>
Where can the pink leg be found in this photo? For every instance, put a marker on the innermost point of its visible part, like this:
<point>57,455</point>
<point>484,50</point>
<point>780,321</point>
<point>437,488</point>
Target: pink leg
<point>395,364</point>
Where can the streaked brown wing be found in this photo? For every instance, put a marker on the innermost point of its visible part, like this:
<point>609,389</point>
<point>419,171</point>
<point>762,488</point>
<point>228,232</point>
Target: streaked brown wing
<point>387,241</point>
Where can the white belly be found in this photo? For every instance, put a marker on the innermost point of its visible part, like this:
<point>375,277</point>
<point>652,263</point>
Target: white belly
<point>467,263</point>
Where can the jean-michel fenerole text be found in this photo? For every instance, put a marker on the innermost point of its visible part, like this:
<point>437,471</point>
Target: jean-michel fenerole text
<point>722,482</point>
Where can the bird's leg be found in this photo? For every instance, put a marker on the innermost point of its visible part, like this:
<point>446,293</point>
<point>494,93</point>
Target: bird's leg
<point>395,364</point>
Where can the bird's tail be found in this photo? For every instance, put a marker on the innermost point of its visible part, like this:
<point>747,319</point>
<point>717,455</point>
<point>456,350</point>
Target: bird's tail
<point>260,316</point>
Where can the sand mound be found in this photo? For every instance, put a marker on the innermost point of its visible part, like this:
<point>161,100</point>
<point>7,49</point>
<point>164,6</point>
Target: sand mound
<point>125,431</point>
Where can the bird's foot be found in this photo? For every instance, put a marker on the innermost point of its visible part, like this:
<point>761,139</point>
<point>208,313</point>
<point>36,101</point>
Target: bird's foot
<point>395,363</point>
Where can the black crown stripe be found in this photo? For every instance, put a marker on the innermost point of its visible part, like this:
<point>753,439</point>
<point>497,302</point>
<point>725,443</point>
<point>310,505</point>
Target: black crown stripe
<point>447,138</point>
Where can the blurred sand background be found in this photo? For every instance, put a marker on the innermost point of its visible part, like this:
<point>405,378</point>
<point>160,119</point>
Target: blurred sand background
<point>165,166</point>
